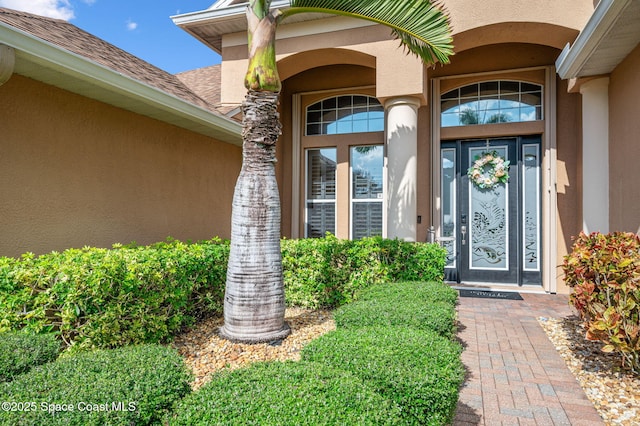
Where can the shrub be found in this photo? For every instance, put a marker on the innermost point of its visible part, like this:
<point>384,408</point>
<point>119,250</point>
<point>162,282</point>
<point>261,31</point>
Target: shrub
<point>290,393</point>
<point>328,272</point>
<point>132,385</point>
<point>604,273</point>
<point>417,369</point>
<point>99,298</point>
<point>426,292</point>
<point>19,352</point>
<point>427,306</point>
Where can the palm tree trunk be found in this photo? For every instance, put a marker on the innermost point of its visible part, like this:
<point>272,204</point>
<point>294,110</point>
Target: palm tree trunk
<point>254,301</point>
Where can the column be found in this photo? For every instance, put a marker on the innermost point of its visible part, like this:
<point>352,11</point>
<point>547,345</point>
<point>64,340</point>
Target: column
<point>401,167</point>
<point>595,155</point>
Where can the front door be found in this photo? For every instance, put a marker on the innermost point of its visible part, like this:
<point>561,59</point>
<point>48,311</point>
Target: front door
<point>491,216</point>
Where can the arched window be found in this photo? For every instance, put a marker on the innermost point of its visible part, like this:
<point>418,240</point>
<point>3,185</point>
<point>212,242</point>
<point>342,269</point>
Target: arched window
<point>491,102</point>
<point>345,114</point>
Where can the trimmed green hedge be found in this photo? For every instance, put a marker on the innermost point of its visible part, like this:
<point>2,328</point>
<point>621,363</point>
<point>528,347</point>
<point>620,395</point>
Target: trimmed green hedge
<point>328,272</point>
<point>426,306</point>
<point>419,370</point>
<point>403,373</point>
<point>290,393</point>
<point>99,298</point>
<point>19,352</point>
<point>133,385</point>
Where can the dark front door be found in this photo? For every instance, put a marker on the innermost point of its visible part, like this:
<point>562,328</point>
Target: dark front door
<point>492,229</point>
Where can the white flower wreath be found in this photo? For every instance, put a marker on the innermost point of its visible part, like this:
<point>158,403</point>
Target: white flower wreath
<point>488,170</point>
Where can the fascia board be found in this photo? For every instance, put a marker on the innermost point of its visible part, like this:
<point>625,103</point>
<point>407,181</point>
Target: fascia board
<point>573,58</point>
<point>220,14</point>
<point>79,67</point>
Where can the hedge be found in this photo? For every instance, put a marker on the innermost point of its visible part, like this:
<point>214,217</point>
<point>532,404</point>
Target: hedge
<point>427,306</point>
<point>328,272</point>
<point>133,385</point>
<point>418,370</point>
<point>99,298</point>
<point>106,298</point>
<point>289,393</point>
<point>19,352</point>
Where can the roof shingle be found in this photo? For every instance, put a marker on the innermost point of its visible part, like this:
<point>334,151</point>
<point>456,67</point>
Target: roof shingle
<point>73,39</point>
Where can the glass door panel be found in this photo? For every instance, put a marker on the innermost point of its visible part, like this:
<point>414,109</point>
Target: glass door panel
<point>489,219</point>
<point>492,234</point>
<point>366,190</point>
<point>320,211</point>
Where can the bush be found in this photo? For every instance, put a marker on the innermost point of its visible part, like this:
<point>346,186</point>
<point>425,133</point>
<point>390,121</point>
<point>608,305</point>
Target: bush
<point>417,369</point>
<point>426,306</point>
<point>99,298</point>
<point>328,272</point>
<point>290,393</point>
<point>604,273</point>
<point>19,352</point>
<point>132,385</point>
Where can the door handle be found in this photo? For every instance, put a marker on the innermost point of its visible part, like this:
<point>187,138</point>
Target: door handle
<point>463,231</point>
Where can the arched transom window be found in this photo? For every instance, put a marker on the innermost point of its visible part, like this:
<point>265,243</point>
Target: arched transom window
<point>345,114</point>
<point>490,102</point>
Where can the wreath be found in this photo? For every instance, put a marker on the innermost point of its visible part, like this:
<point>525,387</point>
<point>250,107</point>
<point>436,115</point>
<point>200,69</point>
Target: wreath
<point>488,170</point>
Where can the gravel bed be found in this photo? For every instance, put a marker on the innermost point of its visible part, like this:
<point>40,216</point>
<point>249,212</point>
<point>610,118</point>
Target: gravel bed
<point>205,352</point>
<point>615,393</point>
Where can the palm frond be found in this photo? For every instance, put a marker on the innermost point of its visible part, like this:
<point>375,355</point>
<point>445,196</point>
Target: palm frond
<point>422,26</point>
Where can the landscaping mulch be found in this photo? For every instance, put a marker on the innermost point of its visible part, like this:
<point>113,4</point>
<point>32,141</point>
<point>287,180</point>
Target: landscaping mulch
<point>615,393</point>
<point>205,352</point>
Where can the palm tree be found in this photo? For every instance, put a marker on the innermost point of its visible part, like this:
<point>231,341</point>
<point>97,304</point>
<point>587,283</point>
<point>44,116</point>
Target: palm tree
<point>254,302</point>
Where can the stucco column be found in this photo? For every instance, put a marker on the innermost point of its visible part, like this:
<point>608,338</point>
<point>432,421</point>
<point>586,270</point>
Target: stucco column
<point>7,62</point>
<point>401,166</point>
<point>595,155</point>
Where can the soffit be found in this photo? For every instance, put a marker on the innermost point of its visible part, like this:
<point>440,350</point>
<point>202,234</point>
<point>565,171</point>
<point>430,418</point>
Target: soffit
<point>226,17</point>
<point>611,34</point>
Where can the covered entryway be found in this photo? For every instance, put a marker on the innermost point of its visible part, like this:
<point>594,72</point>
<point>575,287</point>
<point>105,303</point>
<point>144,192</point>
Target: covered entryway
<point>491,211</point>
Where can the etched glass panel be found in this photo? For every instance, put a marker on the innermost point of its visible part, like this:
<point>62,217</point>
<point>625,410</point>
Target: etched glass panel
<point>366,190</point>
<point>448,192</point>
<point>488,239</point>
<point>531,207</point>
<point>320,192</point>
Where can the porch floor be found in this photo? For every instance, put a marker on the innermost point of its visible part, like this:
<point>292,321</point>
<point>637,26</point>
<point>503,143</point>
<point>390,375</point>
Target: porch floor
<point>515,376</point>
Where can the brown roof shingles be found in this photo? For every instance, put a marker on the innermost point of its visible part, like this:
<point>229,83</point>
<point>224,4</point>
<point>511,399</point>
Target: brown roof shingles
<point>206,83</point>
<point>80,42</point>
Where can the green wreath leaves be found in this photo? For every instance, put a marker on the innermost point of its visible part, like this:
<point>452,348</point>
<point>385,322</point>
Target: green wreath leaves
<point>488,170</point>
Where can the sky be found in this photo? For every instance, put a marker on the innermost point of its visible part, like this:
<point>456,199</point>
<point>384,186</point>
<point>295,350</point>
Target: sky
<point>141,27</point>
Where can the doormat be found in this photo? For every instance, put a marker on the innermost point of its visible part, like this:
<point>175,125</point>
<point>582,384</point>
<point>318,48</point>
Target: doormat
<point>488,294</point>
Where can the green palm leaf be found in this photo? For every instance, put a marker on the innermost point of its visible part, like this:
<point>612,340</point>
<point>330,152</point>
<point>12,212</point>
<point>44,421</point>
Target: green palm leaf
<point>421,25</point>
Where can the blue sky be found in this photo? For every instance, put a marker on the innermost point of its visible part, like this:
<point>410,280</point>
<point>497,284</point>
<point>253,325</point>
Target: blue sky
<point>141,27</point>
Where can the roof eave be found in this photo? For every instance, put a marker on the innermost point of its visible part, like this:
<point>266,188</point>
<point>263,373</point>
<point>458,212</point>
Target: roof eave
<point>134,95</point>
<point>234,18</point>
<point>574,58</point>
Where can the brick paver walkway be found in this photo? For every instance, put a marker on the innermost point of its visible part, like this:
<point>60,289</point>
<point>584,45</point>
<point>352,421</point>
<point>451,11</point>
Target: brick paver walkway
<point>515,376</point>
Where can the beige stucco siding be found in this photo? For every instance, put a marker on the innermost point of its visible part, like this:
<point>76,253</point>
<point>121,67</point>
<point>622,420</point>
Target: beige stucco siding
<point>624,145</point>
<point>75,172</point>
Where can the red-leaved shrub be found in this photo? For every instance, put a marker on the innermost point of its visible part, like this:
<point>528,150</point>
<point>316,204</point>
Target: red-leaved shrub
<point>604,272</point>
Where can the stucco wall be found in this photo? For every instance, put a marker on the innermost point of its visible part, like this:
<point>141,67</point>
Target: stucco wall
<point>624,145</point>
<point>76,172</point>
